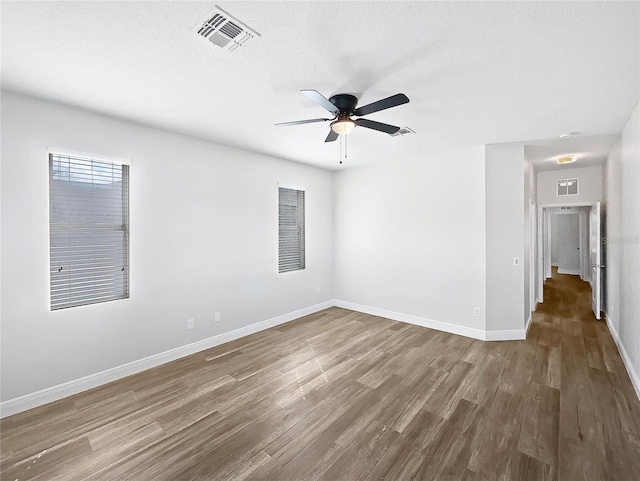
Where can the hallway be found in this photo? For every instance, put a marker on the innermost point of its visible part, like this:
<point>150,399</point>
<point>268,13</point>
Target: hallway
<point>598,412</point>
<point>567,296</point>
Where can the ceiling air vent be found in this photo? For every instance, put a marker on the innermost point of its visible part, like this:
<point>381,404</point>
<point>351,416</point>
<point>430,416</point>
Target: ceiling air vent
<point>403,131</point>
<point>223,30</point>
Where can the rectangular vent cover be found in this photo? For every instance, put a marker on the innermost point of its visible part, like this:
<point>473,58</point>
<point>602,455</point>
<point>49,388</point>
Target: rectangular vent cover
<point>223,30</point>
<point>403,131</point>
<point>567,187</point>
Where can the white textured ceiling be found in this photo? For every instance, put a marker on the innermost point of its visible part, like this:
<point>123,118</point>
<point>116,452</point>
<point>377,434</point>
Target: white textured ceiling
<point>483,72</point>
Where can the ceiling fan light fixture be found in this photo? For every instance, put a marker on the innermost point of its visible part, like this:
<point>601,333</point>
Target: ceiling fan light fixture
<point>343,126</point>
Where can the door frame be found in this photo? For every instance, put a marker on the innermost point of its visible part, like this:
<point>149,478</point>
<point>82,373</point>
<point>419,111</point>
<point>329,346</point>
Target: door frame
<point>533,252</point>
<point>544,242</point>
<point>581,239</point>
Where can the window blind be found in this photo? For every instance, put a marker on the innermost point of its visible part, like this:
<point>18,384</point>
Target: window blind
<point>89,231</point>
<point>290,230</point>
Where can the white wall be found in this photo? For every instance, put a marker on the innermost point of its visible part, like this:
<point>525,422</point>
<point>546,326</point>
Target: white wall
<point>410,239</point>
<point>554,223</point>
<point>505,231</point>
<point>203,239</point>
<point>530,237</point>
<point>622,244</point>
<point>589,185</point>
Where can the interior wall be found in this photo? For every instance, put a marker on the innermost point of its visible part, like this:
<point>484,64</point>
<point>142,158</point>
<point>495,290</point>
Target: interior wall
<point>505,237</point>
<point>554,223</point>
<point>410,238</point>
<point>530,236</point>
<point>622,245</point>
<point>204,238</point>
<point>589,185</point>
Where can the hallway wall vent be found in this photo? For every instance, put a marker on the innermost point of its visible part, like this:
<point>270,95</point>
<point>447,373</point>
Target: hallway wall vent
<point>567,187</point>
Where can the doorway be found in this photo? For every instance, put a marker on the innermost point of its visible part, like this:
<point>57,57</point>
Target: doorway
<point>570,240</point>
<point>565,243</point>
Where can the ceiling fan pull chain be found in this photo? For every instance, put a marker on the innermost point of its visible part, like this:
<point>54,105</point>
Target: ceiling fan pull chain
<point>345,146</point>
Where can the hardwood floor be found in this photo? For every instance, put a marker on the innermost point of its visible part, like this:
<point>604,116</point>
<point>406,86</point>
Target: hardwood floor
<point>340,395</point>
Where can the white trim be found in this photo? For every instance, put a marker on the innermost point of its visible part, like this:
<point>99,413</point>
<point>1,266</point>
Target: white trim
<point>506,335</point>
<point>527,325</point>
<point>54,393</point>
<point>88,155</point>
<point>292,187</point>
<point>633,375</point>
<point>415,320</point>
<point>567,204</point>
<point>572,272</point>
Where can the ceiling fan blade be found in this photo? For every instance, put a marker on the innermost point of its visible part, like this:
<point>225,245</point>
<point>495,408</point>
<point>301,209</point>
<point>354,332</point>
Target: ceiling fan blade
<point>299,122</point>
<point>321,100</point>
<point>370,124</point>
<point>393,101</point>
<point>331,137</point>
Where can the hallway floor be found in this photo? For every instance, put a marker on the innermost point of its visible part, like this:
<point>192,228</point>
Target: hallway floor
<point>598,410</point>
<point>567,296</point>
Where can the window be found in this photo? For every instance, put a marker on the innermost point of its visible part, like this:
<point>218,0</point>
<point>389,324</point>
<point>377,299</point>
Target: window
<point>290,229</point>
<point>568,187</point>
<point>89,230</point>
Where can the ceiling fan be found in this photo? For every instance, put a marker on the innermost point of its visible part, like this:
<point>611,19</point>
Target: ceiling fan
<point>343,107</point>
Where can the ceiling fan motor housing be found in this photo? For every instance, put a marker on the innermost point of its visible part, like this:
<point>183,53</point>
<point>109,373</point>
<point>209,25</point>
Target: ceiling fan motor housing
<point>346,103</point>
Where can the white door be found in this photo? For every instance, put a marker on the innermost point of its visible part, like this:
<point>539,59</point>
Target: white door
<point>547,245</point>
<point>595,255</point>
<point>585,266</point>
<point>532,256</point>
<point>541,246</point>
<point>567,238</point>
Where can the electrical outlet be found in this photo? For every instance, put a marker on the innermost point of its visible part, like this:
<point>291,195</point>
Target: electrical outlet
<point>216,317</point>
<point>476,311</point>
<point>190,324</point>
<point>318,291</point>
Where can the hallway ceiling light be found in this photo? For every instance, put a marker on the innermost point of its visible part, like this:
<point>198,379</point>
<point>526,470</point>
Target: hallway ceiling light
<point>566,159</point>
<point>566,136</point>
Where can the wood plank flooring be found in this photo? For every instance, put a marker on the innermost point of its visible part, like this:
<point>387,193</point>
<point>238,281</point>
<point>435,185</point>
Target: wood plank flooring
<point>340,395</point>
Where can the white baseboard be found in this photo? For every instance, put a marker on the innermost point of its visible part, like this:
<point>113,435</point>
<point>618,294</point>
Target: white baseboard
<point>527,324</point>
<point>505,335</point>
<point>633,375</point>
<point>54,393</point>
<point>569,271</point>
<point>410,319</point>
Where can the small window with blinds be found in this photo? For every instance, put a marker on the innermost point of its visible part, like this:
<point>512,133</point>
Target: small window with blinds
<point>89,231</point>
<point>290,229</point>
